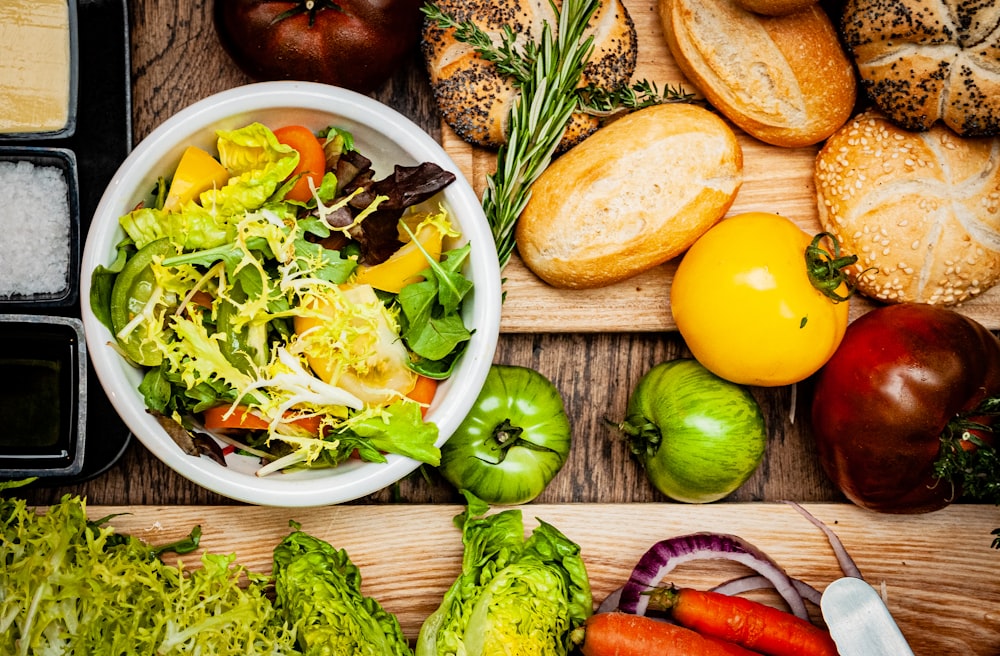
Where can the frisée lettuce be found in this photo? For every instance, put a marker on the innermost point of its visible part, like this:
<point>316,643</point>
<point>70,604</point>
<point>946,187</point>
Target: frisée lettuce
<point>73,586</point>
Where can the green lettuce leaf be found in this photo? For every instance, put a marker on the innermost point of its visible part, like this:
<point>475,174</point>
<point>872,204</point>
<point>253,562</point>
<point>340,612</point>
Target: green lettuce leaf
<point>258,164</point>
<point>514,595</point>
<point>318,592</point>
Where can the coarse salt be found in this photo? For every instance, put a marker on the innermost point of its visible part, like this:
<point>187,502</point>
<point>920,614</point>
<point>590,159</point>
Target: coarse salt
<point>34,230</point>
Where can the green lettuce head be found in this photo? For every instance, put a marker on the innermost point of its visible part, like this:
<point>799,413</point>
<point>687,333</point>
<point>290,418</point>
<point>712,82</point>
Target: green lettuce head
<point>515,596</point>
<point>318,592</point>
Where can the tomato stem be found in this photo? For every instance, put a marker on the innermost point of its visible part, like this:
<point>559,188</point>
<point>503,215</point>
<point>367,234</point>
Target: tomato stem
<point>311,7</point>
<point>826,270</point>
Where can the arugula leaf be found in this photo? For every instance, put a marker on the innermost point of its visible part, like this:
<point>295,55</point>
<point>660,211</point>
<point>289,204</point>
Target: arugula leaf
<point>432,325</point>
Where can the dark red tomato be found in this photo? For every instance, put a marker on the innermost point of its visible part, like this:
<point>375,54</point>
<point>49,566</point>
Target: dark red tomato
<point>356,44</point>
<point>902,378</point>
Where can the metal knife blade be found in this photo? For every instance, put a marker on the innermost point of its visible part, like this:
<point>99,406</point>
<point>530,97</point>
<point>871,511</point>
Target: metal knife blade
<point>859,621</point>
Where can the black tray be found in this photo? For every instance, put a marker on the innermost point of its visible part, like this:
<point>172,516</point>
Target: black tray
<point>102,141</point>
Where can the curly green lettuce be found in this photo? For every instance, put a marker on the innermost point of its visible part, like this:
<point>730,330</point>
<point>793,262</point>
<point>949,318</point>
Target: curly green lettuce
<point>514,595</point>
<point>69,586</point>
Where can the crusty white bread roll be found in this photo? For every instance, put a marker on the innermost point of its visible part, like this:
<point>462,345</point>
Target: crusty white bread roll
<point>775,7</point>
<point>785,80</point>
<point>923,61</point>
<point>633,195</point>
<point>921,210</point>
<point>475,99</point>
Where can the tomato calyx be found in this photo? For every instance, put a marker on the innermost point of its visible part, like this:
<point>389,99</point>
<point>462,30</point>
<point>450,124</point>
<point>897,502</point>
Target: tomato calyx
<point>311,7</point>
<point>826,270</point>
<point>642,435</point>
<point>504,436</point>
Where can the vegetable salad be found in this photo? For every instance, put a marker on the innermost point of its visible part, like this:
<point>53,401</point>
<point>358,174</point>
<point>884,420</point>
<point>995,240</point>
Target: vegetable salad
<point>304,329</point>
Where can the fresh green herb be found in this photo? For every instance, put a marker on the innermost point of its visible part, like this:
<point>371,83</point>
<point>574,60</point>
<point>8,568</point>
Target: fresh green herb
<point>539,118</point>
<point>971,462</point>
<point>607,102</point>
<point>547,73</point>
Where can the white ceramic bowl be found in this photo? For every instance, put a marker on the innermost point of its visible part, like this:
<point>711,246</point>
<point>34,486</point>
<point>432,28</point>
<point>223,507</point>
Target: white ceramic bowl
<point>387,138</point>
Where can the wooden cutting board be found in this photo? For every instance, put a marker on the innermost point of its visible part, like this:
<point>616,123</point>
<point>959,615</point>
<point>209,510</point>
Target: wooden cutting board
<point>938,573</point>
<point>776,180</point>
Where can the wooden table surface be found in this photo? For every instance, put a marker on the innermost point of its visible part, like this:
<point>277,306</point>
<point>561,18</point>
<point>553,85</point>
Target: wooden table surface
<point>177,59</point>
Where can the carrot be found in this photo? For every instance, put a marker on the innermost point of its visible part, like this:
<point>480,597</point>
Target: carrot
<point>623,634</point>
<point>423,392</point>
<point>751,624</point>
<point>216,418</point>
<point>312,159</point>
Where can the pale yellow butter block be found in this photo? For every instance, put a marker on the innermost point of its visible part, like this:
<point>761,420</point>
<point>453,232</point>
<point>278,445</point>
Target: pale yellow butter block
<point>35,65</point>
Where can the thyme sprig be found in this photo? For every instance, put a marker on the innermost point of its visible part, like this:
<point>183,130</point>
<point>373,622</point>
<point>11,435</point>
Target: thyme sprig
<point>509,59</point>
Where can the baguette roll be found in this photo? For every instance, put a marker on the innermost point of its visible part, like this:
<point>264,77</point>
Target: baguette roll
<point>633,195</point>
<point>475,98</point>
<point>785,80</point>
<point>775,7</point>
<point>921,210</point>
<point>928,61</point>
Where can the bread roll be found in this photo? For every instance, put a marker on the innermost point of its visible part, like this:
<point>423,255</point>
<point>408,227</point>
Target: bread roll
<point>785,80</point>
<point>475,99</point>
<point>921,210</point>
<point>923,61</point>
<point>775,7</point>
<point>633,195</point>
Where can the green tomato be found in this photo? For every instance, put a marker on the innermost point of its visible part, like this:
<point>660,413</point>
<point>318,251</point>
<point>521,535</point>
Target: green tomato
<point>513,442</point>
<point>699,437</point>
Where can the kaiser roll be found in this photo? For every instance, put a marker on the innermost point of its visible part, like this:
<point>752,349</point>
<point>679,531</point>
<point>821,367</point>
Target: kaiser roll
<point>633,195</point>
<point>475,98</point>
<point>921,210</point>
<point>923,61</point>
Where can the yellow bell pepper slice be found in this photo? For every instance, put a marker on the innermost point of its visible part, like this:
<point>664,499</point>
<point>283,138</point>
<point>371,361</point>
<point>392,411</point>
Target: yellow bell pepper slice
<point>404,266</point>
<point>197,172</point>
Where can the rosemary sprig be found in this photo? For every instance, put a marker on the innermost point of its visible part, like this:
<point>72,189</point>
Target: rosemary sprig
<point>547,75</point>
<point>606,102</point>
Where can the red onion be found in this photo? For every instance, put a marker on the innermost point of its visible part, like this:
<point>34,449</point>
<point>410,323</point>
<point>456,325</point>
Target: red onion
<point>847,564</point>
<point>758,582</point>
<point>665,555</point>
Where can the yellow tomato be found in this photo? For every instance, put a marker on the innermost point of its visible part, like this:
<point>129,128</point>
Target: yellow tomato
<point>744,302</point>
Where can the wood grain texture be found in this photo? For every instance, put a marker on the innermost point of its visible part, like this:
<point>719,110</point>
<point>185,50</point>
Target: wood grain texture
<point>946,600</point>
<point>776,179</point>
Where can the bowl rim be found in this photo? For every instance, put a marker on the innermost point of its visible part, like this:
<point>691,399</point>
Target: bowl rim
<point>246,100</point>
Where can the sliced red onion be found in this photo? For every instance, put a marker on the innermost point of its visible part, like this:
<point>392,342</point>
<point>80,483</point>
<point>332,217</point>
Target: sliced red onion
<point>665,555</point>
<point>610,602</point>
<point>757,582</point>
<point>847,564</point>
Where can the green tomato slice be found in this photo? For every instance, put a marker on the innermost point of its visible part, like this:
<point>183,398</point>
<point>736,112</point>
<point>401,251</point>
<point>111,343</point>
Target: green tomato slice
<point>513,442</point>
